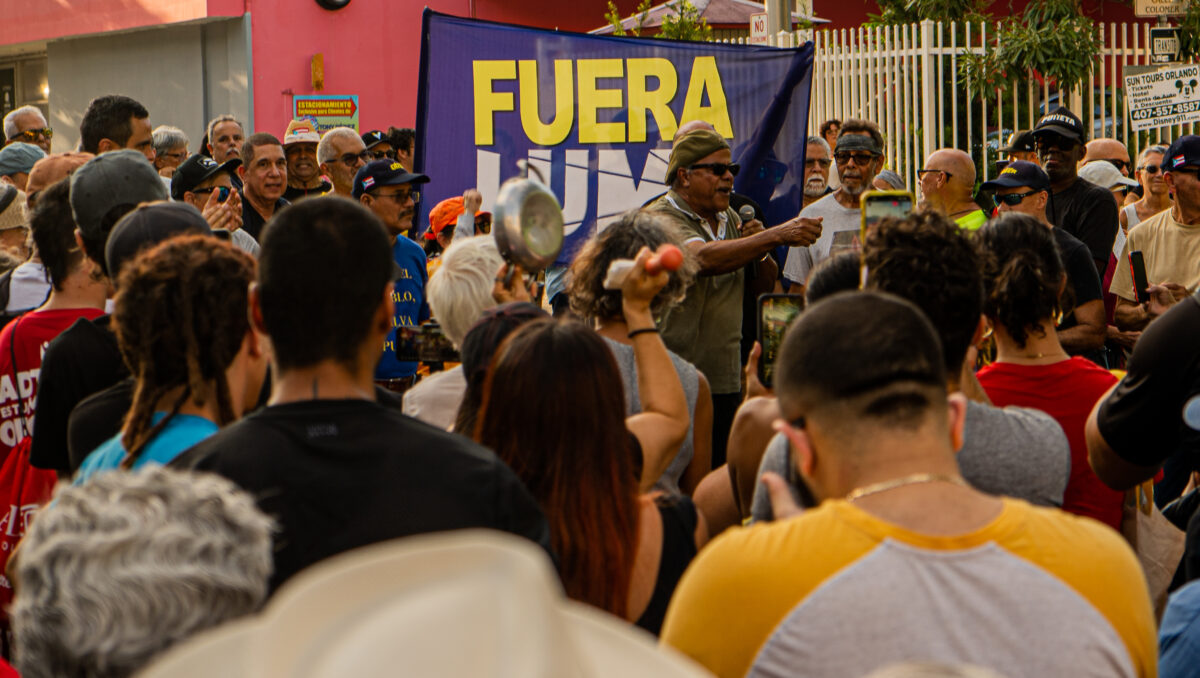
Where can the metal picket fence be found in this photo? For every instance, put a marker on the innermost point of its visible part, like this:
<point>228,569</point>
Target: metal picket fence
<point>906,79</point>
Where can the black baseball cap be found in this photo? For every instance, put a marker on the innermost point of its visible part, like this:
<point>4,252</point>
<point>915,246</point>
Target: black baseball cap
<point>384,173</point>
<point>1020,173</point>
<point>1183,152</point>
<point>1063,123</point>
<point>147,226</point>
<point>196,170</point>
<point>373,138</point>
<point>1019,142</point>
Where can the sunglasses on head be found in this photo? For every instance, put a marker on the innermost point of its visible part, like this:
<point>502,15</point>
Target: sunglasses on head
<point>719,168</point>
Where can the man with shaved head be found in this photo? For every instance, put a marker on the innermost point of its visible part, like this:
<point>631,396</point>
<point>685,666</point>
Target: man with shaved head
<point>948,184</point>
<point>1110,150</point>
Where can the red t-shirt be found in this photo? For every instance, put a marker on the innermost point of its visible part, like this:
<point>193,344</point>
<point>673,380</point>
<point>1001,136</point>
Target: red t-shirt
<point>1067,391</point>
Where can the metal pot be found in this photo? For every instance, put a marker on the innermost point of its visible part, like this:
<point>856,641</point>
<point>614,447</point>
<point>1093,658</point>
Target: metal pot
<point>527,224</point>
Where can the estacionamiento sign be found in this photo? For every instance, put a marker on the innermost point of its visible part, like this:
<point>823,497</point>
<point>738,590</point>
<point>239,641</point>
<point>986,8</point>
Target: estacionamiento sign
<point>1166,96</point>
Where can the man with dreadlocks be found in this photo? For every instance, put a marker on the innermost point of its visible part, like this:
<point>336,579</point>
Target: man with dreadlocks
<point>182,327</point>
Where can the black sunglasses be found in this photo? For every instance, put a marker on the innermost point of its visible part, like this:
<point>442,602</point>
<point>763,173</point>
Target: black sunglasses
<point>351,158</point>
<point>1046,143</point>
<point>719,168</point>
<point>380,155</point>
<point>222,195</point>
<point>1119,164</point>
<point>1150,169</point>
<point>1012,199</point>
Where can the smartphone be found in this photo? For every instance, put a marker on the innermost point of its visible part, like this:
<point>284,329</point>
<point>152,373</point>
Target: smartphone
<point>1137,266</point>
<point>426,343</point>
<point>222,193</point>
<point>775,313</point>
<point>877,205</point>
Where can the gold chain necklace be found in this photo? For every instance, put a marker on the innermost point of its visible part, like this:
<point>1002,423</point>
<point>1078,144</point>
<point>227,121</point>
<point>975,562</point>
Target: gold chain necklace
<point>913,479</point>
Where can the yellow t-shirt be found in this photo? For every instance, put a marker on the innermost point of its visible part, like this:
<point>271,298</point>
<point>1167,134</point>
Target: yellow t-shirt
<point>1171,251</point>
<point>838,592</point>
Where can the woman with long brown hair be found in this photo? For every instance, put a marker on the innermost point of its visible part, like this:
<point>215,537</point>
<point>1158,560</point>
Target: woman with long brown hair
<point>553,409</point>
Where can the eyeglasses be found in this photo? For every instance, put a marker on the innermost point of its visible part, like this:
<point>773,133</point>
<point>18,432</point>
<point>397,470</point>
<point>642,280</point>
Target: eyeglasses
<point>380,155</point>
<point>922,172</point>
<point>719,168</point>
<point>32,135</point>
<point>400,197</point>
<point>1119,164</point>
<point>178,156</point>
<point>1012,199</point>
<point>1150,169</point>
<point>823,162</point>
<point>857,158</point>
<point>1046,143</point>
<point>352,159</point>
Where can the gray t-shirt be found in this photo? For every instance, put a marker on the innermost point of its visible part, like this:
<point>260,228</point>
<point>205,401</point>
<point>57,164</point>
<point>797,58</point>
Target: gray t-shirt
<point>1011,451</point>
<point>839,233</point>
<point>689,377</point>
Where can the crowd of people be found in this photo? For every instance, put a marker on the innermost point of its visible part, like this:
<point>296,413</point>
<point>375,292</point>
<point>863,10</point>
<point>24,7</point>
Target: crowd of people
<point>976,456</point>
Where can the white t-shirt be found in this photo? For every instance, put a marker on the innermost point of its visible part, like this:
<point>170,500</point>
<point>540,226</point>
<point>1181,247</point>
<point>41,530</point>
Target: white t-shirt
<point>28,288</point>
<point>839,233</point>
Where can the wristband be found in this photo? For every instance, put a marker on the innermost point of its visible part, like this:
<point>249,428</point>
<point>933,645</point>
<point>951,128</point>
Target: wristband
<point>641,330</point>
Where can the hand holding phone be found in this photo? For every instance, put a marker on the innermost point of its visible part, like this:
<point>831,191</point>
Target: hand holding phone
<point>1141,286</point>
<point>775,313</point>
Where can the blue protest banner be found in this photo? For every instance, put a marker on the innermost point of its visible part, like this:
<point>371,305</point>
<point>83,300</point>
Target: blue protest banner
<point>596,115</point>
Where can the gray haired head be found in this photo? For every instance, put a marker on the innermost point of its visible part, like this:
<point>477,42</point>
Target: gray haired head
<point>126,565</point>
<point>166,138</point>
<point>891,179</point>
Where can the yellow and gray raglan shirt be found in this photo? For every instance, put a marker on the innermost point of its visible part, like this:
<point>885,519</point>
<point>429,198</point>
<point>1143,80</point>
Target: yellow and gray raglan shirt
<point>836,592</point>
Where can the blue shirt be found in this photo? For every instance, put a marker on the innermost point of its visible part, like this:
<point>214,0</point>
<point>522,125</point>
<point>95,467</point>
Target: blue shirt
<point>408,299</point>
<point>1179,634</point>
<point>179,435</point>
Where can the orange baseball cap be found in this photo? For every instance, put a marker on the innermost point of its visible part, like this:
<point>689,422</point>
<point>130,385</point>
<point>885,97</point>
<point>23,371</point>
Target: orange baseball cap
<point>446,213</point>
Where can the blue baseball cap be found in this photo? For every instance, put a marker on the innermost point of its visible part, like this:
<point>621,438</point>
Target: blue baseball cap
<point>1020,173</point>
<point>384,173</point>
<point>1183,152</point>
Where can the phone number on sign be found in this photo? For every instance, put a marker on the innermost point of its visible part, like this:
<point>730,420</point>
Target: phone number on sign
<point>1160,111</point>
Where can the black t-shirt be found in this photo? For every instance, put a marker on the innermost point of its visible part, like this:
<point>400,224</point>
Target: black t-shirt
<point>1089,213</point>
<point>79,362</point>
<point>96,419</point>
<point>292,194</point>
<point>340,474</point>
<point>1081,272</point>
<point>252,221</point>
<point>1143,419</point>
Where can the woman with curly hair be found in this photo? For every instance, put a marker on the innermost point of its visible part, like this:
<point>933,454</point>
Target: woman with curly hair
<point>1024,281</point>
<point>602,307</point>
<point>183,329</point>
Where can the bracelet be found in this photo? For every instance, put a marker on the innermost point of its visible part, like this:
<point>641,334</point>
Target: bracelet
<point>641,330</point>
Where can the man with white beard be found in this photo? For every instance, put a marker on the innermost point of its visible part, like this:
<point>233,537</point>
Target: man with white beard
<point>817,159</point>
<point>859,156</point>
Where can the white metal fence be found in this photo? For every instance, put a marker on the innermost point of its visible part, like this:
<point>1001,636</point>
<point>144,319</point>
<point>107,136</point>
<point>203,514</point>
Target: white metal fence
<point>906,79</point>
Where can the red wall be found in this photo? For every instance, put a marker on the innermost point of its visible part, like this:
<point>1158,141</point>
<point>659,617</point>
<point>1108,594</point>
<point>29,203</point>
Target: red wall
<point>852,13</point>
<point>26,21</point>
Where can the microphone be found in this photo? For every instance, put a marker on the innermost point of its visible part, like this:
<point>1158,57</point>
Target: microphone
<point>746,212</point>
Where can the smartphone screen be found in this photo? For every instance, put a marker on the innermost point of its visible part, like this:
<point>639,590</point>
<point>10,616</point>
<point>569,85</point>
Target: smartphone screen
<point>1137,266</point>
<point>775,313</point>
<point>222,193</point>
<point>878,205</point>
<point>426,343</point>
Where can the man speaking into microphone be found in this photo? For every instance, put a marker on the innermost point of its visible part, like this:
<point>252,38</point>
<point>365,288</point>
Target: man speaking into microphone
<point>706,328</point>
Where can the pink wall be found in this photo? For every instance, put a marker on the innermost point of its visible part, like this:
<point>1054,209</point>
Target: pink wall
<point>372,49</point>
<point>26,21</point>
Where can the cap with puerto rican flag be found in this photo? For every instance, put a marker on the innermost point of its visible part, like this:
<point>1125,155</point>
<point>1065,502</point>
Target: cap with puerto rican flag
<point>1184,152</point>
